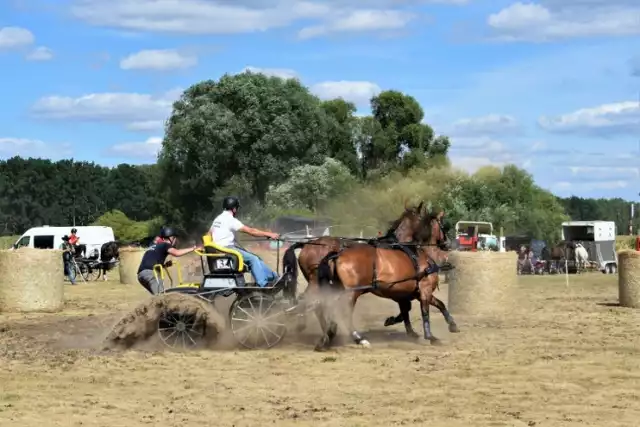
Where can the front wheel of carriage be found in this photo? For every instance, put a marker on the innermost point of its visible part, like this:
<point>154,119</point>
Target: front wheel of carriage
<point>181,331</point>
<point>257,321</point>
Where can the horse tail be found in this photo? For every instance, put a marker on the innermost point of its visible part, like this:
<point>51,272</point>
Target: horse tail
<point>290,267</point>
<point>290,261</point>
<point>327,278</point>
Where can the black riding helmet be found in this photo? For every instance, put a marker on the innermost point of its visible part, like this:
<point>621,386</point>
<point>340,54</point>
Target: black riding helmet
<point>74,230</point>
<point>167,232</point>
<point>230,202</point>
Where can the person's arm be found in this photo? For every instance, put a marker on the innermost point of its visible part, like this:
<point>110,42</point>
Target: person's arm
<point>181,252</point>
<point>256,232</point>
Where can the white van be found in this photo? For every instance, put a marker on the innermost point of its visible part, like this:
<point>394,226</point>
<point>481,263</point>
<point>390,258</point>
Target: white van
<point>46,237</point>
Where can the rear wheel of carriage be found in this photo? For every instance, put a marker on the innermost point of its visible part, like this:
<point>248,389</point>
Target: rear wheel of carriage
<point>257,321</point>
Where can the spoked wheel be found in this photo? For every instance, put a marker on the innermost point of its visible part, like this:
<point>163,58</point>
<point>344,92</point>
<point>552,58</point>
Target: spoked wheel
<point>181,330</point>
<point>257,321</point>
<point>89,272</point>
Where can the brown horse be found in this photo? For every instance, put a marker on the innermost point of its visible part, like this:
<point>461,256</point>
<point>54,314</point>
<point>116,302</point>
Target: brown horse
<point>389,272</point>
<point>400,231</point>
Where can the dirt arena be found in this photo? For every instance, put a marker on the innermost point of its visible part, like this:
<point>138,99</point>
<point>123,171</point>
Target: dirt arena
<point>569,358</point>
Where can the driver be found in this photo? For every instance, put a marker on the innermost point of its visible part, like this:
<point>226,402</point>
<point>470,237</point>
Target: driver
<point>74,239</point>
<point>222,232</point>
<point>163,246</point>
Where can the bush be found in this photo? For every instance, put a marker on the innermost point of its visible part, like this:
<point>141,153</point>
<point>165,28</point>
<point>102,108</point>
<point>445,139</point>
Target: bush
<point>126,229</point>
<point>625,242</point>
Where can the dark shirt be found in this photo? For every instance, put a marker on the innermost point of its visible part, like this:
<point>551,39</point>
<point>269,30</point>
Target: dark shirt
<point>156,254</point>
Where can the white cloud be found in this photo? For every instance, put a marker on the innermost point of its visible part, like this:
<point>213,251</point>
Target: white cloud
<point>492,124</point>
<point>25,147</point>
<point>15,37</point>
<point>621,117</point>
<point>358,92</point>
<point>41,53</point>
<point>21,147</point>
<point>598,172</point>
<point>158,60</point>
<point>561,20</point>
<point>146,126</point>
<point>470,154</point>
<point>360,21</point>
<point>193,16</point>
<point>107,107</point>
<point>284,73</point>
<point>486,145</point>
<point>147,150</point>
<point>227,17</point>
<point>572,186</point>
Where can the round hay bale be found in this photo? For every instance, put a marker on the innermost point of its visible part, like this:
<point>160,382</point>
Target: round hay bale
<point>629,278</point>
<point>129,262</point>
<point>142,323</point>
<point>31,280</point>
<point>482,282</point>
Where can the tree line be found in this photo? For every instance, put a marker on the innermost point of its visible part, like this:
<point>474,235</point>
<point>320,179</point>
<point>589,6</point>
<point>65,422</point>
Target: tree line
<point>282,151</point>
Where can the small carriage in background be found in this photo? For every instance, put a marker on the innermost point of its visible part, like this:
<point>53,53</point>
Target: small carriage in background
<point>256,317</point>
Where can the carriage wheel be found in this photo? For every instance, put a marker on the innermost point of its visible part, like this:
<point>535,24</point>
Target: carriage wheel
<point>181,330</point>
<point>257,321</point>
<point>94,271</point>
<point>89,273</point>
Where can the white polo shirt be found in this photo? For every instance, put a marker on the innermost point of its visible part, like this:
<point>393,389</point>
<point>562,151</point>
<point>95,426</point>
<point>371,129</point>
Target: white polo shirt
<point>224,227</point>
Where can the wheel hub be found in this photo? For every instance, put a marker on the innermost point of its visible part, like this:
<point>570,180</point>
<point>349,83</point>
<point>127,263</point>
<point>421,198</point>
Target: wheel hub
<point>181,326</point>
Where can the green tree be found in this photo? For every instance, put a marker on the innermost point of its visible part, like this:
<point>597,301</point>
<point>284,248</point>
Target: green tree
<point>401,139</point>
<point>342,127</point>
<point>250,126</point>
<point>311,186</point>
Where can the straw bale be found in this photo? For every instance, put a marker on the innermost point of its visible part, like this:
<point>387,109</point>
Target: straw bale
<point>129,262</point>
<point>482,283</point>
<point>31,280</point>
<point>629,278</point>
<point>142,323</point>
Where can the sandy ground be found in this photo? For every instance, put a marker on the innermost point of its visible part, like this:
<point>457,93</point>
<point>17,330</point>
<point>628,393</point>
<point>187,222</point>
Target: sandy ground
<point>566,357</point>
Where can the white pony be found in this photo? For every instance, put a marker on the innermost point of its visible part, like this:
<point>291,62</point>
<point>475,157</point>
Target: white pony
<point>582,256</point>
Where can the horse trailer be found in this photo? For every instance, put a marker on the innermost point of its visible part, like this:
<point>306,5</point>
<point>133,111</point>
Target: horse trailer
<point>598,238</point>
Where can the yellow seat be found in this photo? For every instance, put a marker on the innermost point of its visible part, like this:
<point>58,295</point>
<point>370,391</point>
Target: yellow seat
<point>216,254</point>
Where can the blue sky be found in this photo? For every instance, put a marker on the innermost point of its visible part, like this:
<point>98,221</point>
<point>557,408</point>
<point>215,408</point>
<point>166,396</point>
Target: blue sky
<point>552,86</point>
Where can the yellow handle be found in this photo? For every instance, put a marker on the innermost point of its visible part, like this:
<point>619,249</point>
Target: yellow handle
<point>158,270</point>
<point>161,269</point>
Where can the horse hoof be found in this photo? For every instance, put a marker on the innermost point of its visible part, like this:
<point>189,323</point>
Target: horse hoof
<point>435,341</point>
<point>453,328</point>
<point>364,344</point>
<point>320,347</point>
<point>413,334</point>
<point>390,321</point>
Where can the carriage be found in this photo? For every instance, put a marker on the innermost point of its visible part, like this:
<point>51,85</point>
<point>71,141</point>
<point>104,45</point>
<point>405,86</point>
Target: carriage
<point>257,317</point>
<point>89,267</point>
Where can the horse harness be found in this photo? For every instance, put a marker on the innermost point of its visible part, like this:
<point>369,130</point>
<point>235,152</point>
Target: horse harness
<point>409,249</point>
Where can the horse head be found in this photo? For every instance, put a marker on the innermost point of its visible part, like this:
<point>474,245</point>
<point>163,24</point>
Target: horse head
<point>432,232</point>
<point>404,228</point>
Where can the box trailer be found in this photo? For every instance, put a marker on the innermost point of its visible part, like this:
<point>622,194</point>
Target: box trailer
<point>598,238</point>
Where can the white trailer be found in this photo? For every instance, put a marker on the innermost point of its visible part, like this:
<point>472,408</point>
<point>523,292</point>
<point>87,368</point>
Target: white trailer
<point>598,238</point>
<point>46,237</point>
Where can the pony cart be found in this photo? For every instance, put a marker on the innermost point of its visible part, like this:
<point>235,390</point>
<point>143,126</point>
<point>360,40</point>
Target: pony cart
<point>256,317</point>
